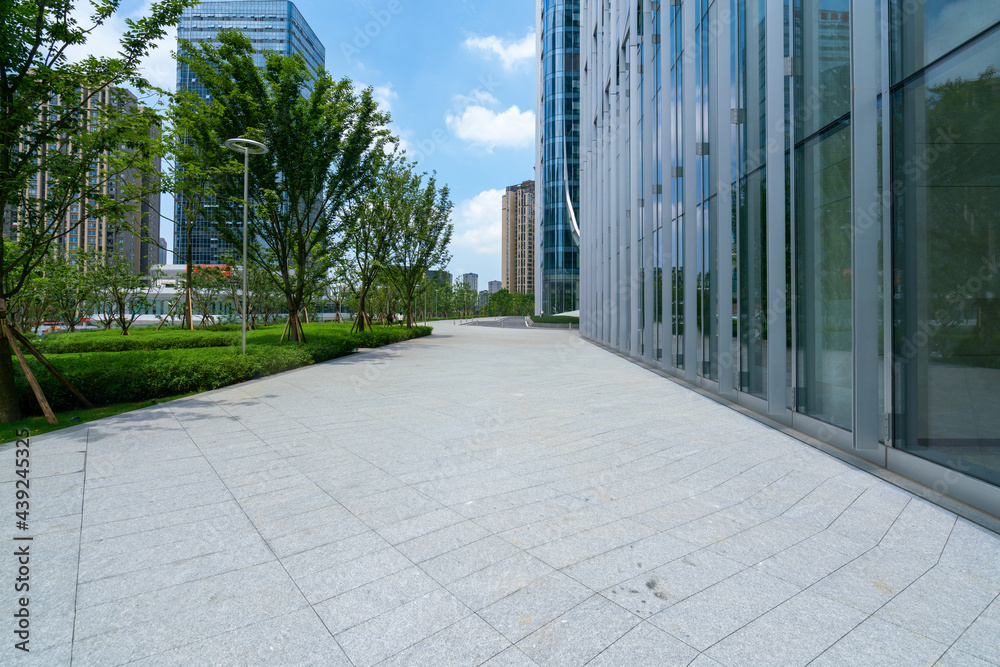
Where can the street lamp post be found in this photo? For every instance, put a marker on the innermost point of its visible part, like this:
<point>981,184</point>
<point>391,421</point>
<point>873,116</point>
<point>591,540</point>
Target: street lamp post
<point>248,147</point>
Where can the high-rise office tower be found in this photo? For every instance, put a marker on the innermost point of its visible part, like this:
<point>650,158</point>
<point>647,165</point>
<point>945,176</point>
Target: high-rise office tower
<point>557,161</point>
<point>799,214</point>
<point>517,239</point>
<point>271,25</point>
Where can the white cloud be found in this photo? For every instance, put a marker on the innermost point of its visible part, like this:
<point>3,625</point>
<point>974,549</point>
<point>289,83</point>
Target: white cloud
<point>385,96</point>
<point>477,223</point>
<point>477,96</point>
<point>512,128</point>
<point>511,53</point>
<point>158,67</point>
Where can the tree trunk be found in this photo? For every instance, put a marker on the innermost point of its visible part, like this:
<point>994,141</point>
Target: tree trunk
<point>188,306</point>
<point>361,323</point>
<point>295,332</point>
<point>10,406</point>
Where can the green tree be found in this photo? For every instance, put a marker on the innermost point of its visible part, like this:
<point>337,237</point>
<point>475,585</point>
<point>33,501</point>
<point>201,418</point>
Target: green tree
<point>67,286</point>
<point>191,178</point>
<point>424,232</point>
<point>65,120</point>
<point>324,142</point>
<point>120,295</point>
<point>463,298</point>
<point>370,227</point>
<point>501,303</point>
<point>26,309</point>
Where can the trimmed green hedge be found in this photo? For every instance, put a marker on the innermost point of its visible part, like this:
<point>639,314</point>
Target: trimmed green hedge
<point>136,375</point>
<point>555,319</point>
<point>140,339</point>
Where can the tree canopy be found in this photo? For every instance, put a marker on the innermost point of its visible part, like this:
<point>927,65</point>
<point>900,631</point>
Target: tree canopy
<point>324,139</point>
<point>71,122</point>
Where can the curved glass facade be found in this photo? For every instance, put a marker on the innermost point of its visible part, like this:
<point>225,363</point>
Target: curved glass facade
<point>827,251</point>
<point>558,168</point>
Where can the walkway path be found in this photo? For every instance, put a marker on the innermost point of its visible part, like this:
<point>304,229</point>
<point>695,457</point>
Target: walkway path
<point>484,496</point>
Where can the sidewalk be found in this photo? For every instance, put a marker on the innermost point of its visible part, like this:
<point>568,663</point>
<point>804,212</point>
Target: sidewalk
<point>483,496</point>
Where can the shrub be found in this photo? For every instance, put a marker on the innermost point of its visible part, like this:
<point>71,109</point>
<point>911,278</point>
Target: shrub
<point>113,341</point>
<point>141,374</point>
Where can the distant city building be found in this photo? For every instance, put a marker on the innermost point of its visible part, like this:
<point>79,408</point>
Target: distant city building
<point>272,25</point>
<point>517,239</point>
<point>484,299</point>
<point>495,286</point>
<point>84,231</point>
<point>162,252</point>
<point>472,280</point>
<point>557,159</point>
<point>442,277</point>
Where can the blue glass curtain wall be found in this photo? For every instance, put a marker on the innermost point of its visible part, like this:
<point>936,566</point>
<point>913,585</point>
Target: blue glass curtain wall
<point>559,161</point>
<point>271,25</point>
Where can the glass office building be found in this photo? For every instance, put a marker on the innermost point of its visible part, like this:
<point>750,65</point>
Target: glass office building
<point>557,182</point>
<point>271,25</point>
<point>795,206</point>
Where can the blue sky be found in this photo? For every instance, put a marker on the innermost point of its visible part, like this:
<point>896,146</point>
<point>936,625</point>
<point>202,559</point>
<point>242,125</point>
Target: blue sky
<point>459,82</point>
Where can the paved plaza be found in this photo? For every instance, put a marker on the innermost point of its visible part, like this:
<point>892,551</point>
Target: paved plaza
<point>497,496</point>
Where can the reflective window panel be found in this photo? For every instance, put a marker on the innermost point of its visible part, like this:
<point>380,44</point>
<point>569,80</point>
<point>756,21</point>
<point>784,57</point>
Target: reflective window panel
<point>946,189</point>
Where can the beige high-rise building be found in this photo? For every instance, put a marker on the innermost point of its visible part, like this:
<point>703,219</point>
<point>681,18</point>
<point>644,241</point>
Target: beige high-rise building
<point>81,228</point>
<point>517,244</point>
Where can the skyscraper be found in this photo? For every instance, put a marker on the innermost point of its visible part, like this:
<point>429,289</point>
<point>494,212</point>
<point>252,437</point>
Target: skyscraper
<point>82,230</point>
<point>271,25</point>
<point>472,281</point>
<point>798,214</point>
<point>557,162</point>
<point>517,238</point>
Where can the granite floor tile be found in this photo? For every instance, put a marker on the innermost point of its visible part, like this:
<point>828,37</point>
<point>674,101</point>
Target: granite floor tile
<point>480,497</point>
<point>499,580</point>
<point>645,645</point>
<point>397,630</point>
<point>469,642</point>
<point>580,634</point>
<point>793,633</point>
<point>881,644</point>
<point>380,596</point>
<point>713,614</point>
<point>533,606</point>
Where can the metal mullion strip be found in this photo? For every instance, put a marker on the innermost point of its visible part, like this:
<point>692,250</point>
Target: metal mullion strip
<point>688,164</point>
<point>539,172</point>
<point>634,139</point>
<point>649,168</point>
<point>775,170</point>
<point>624,223</point>
<point>721,153</point>
<point>864,246</point>
<point>887,236</point>
<point>793,371</point>
<point>666,153</point>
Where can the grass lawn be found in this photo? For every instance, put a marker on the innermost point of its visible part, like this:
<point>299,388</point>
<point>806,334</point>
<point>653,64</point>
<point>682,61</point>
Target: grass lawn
<point>113,370</point>
<point>39,425</point>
